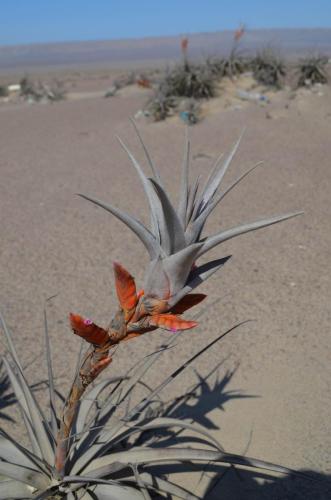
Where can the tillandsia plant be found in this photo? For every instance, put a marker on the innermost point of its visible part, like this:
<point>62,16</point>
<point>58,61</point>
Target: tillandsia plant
<point>115,445</point>
<point>77,454</point>
<point>312,70</point>
<point>269,68</point>
<point>232,65</point>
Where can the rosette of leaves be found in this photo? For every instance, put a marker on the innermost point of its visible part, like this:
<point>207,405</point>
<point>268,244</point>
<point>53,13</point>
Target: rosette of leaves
<point>231,66</point>
<point>268,68</point>
<point>189,80</point>
<point>175,242</point>
<point>114,444</point>
<point>312,70</point>
<point>161,105</point>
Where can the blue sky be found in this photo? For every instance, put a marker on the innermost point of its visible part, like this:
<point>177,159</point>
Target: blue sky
<point>30,21</point>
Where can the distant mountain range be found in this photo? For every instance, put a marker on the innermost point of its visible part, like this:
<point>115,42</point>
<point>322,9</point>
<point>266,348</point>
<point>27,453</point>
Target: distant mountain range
<point>149,51</point>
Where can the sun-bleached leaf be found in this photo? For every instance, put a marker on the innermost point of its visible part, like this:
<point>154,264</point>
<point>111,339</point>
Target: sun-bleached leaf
<point>213,241</point>
<point>15,489</point>
<point>10,342</point>
<point>51,387</point>
<point>171,229</point>
<point>192,203</point>
<point>178,266</point>
<point>148,156</point>
<point>24,474</point>
<point>217,178</point>
<point>184,184</point>
<point>145,236</point>
<point>31,408</point>
<point>13,452</point>
<point>194,232</point>
<point>197,276</point>
<point>157,282</point>
<point>154,204</point>
<point>165,455</point>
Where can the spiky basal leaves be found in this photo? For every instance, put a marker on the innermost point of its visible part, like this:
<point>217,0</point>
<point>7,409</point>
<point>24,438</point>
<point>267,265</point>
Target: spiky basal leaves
<point>312,70</point>
<point>114,442</point>
<point>176,241</point>
<point>269,68</point>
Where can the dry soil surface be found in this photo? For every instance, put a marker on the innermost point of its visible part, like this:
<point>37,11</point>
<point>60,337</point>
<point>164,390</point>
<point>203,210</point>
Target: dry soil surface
<point>53,242</point>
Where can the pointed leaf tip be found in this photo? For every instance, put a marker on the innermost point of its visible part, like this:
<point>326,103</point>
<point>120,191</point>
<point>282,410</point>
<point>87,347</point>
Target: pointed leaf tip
<point>145,236</point>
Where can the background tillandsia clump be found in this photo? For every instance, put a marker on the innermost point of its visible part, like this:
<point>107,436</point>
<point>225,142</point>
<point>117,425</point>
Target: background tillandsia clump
<point>104,446</point>
<point>312,70</point>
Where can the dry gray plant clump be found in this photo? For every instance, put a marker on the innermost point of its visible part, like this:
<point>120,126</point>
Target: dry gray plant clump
<point>39,91</point>
<point>234,64</point>
<point>269,68</point>
<point>187,81</point>
<point>101,445</point>
<point>312,70</point>
<point>230,67</point>
<point>184,81</point>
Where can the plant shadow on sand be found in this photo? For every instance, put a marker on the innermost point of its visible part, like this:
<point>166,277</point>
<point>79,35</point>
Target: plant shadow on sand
<point>235,484</point>
<point>230,482</point>
<point>206,396</point>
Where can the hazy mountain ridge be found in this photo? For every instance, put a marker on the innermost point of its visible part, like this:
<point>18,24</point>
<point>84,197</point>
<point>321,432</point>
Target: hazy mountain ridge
<point>116,53</point>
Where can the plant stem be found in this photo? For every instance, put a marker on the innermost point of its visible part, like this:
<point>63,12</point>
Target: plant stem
<point>96,360</point>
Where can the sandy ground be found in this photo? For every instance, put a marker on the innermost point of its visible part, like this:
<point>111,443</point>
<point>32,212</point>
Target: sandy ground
<point>53,242</point>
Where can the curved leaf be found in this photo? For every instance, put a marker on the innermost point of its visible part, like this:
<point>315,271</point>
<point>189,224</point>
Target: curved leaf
<point>31,408</point>
<point>145,236</point>
<point>103,465</point>
<point>171,229</point>
<point>148,157</point>
<point>24,474</point>
<point>15,489</point>
<point>213,241</point>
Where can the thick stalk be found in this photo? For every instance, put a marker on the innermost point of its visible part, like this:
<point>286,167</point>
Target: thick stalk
<point>96,360</point>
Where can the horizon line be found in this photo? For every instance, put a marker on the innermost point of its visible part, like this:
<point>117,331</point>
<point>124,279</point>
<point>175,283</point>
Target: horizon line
<point>178,35</point>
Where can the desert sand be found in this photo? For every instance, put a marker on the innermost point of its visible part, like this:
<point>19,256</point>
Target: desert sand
<point>53,242</point>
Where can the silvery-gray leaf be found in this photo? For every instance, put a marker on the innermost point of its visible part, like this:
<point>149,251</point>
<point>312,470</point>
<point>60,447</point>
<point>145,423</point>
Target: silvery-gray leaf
<point>156,281</point>
<point>196,228</point>
<point>148,157</point>
<point>183,197</point>
<point>213,241</point>
<point>212,173</point>
<point>152,455</point>
<point>117,492</point>
<point>197,277</point>
<point>51,388</point>
<point>31,408</point>
<point>150,193</point>
<point>13,452</point>
<point>15,489</point>
<point>171,229</point>
<point>215,182</point>
<point>10,342</point>
<point>179,265</point>
<point>192,200</point>
<point>24,474</point>
<point>145,236</point>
